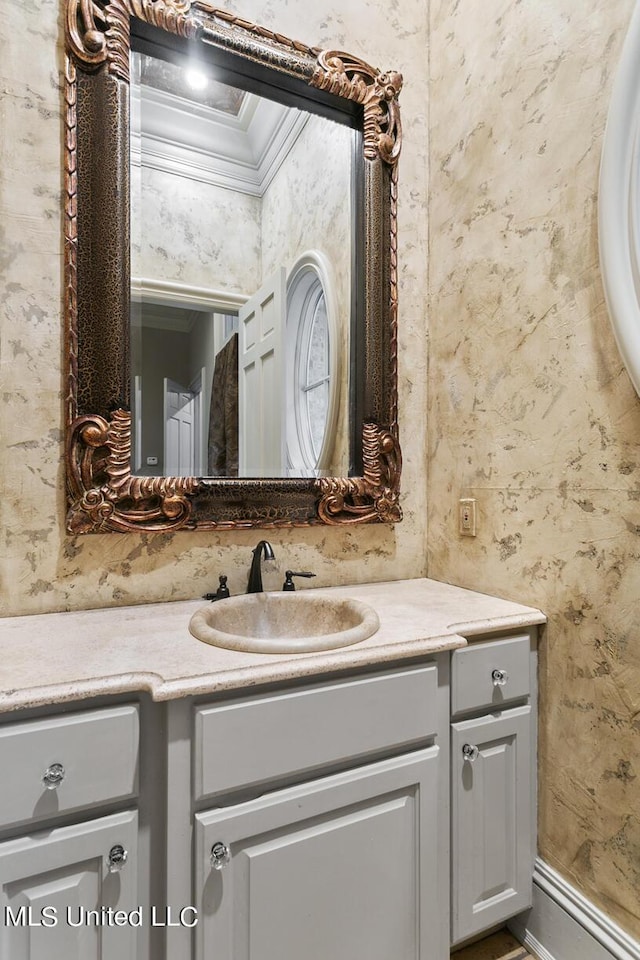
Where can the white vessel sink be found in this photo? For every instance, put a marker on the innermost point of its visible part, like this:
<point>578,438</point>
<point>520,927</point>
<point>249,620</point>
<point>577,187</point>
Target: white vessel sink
<point>283,623</point>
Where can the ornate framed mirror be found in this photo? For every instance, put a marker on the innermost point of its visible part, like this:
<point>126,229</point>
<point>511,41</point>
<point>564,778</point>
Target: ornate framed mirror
<point>186,214</point>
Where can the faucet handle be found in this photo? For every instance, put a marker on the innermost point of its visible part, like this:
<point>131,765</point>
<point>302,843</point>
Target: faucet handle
<point>288,574</point>
<point>221,593</point>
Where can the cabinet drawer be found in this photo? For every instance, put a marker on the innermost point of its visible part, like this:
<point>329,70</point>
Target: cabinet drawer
<point>248,742</point>
<point>57,764</point>
<point>472,668</point>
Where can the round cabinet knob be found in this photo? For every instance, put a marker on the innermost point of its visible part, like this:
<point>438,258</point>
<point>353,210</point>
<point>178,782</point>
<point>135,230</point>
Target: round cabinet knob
<point>53,776</point>
<point>499,677</point>
<point>117,857</point>
<point>470,752</point>
<point>220,855</point>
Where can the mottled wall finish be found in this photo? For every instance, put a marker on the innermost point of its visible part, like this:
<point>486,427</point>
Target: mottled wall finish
<point>196,233</point>
<point>531,410</point>
<point>41,568</point>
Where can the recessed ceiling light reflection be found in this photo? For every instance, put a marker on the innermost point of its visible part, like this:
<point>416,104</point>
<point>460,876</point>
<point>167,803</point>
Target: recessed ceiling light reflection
<point>196,79</point>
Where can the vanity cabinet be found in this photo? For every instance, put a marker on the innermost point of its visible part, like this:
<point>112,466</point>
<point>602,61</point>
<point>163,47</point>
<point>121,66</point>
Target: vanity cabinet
<point>389,812</point>
<point>61,854</point>
<point>493,782</point>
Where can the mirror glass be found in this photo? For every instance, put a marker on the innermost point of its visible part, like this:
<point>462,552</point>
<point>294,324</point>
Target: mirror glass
<point>242,245</point>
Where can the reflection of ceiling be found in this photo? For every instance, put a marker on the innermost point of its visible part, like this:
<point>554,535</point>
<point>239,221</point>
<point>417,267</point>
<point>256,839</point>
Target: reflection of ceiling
<point>161,317</point>
<point>239,143</point>
<point>170,78</point>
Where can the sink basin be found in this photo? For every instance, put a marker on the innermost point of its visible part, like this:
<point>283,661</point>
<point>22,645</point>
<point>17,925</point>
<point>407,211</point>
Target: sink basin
<point>283,623</point>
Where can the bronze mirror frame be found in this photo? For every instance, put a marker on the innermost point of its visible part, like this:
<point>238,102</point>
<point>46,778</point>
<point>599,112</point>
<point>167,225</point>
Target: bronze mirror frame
<point>103,495</point>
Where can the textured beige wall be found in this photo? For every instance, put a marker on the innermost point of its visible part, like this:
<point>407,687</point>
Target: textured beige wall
<point>41,568</point>
<point>531,410</point>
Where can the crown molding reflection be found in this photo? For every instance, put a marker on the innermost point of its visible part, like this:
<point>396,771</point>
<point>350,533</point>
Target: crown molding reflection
<point>185,139</point>
<point>173,293</point>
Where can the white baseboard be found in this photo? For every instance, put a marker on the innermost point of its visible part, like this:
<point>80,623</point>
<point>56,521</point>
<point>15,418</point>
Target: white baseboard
<point>563,925</point>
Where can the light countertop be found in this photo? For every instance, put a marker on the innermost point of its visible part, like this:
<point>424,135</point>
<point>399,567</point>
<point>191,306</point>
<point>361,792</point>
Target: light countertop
<point>60,657</point>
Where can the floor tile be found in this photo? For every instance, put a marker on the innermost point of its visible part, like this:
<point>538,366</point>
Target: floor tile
<point>499,946</point>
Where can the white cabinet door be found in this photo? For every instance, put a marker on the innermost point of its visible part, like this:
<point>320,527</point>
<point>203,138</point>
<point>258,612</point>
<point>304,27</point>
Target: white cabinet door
<point>338,869</point>
<point>492,830</point>
<point>48,882</point>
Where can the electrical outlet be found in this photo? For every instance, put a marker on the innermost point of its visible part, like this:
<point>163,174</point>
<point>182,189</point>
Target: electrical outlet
<point>467,516</point>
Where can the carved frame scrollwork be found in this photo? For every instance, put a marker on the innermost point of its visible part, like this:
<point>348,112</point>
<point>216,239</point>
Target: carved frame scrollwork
<point>103,495</point>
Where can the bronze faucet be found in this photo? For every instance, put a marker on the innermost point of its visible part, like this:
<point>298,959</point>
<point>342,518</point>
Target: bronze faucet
<point>255,573</point>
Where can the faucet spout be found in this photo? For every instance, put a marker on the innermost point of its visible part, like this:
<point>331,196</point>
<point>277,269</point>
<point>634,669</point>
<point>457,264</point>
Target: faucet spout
<point>265,549</point>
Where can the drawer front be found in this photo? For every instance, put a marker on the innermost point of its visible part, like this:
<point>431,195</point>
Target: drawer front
<point>473,686</point>
<point>57,764</point>
<point>248,742</point>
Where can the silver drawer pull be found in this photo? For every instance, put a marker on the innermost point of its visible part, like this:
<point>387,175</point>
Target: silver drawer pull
<point>116,858</point>
<point>470,752</point>
<point>53,776</point>
<point>499,677</point>
<point>220,855</point>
